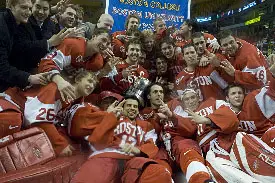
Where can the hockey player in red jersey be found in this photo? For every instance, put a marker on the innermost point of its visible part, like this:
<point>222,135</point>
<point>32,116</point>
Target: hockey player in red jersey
<point>126,71</point>
<point>121,148</point>
<point>255,111</point>
<point>250,66</point>
<point>205,80</point>
<point>73,55</point>
<point>185,33</point>
<point>176,136</point>
<point>185,78</point>
<point>40,106</point>
<point>120,38</point>
<point>175,62</point>
<point>248,153</point>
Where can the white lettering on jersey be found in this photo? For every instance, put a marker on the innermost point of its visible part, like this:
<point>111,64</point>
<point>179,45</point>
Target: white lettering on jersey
<point>248,125</point>
<point>266,159</point>
<point>260,73</point>
<point>130,130</point>
<point>36,111</point>
<point>204,80</point>
<point>206,111</point>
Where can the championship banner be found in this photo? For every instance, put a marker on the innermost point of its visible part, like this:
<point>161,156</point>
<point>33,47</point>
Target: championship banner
<point>174,12</point>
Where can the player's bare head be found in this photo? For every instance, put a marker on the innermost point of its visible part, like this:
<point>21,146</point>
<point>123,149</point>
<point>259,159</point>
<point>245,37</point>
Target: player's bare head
<point>167,46</point>
<point>235,95</point>
<point>155,94</point>
<point>105,21</point>
<point>199,42</point>
<point>189,26</point>
<point>133,50</point>
<point>148,40</point>
<point>85,83</point>
<point>131,107</point>
<point>161,65</point>
<point>190,55</point>
<point>159,24</point>
<point>100,40</point>
<point>228,42</point>
<point>132,21</point>
<point>190,99</point>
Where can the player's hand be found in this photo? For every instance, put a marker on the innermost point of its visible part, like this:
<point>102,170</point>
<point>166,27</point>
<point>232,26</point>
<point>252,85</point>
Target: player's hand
<point>197,118</point>
<point>67,151</point>
<point>40,78</point>
<point>228,68</point>
<point>106,52</point>
<point>59,6</point>
<point>214,46</point>
<point>164,109</point>
<point>130,149</point>
<point>160,80</point>
<point>123,38</point>
<point>67,91</point>
<point>162,116</point>
<point>212,58</point>
<point>129,71</point>
<point>56,39</point>
<point>116,108</point>
<point>109,66</point>
<point>204,61</point>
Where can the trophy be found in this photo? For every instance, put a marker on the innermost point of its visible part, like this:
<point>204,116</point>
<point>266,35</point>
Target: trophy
<point>138,89</point>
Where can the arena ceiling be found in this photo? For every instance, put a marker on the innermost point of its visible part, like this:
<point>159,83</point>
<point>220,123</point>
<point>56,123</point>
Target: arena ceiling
<point>208,7</point>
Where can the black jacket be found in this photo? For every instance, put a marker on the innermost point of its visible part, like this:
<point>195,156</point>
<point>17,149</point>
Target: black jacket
<point>30,43</point>
<point>9,75</point>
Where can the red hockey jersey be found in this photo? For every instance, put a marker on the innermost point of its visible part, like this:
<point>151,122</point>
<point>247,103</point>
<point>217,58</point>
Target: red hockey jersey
<point>220,113</point>
<point>40,107</point>
<point>69,55</point>
<point>210,83</point>
<point>115,81</point>
<point>251,68</point>
<point>178,125</point>
<point>257,110</point>
<point>109,135</point>
<point>183,80</point>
